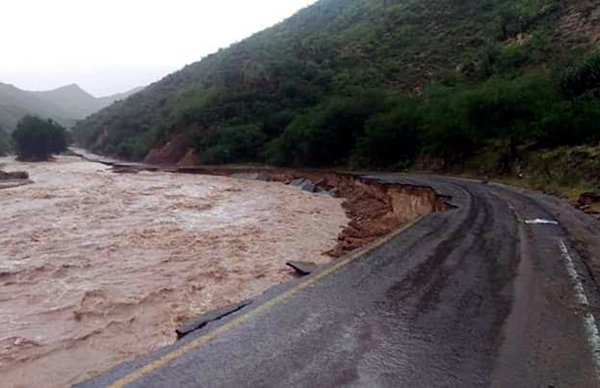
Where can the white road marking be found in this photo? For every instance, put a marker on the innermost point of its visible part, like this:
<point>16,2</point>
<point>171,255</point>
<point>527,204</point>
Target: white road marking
<point>541,222</point>
<point>588,320</point>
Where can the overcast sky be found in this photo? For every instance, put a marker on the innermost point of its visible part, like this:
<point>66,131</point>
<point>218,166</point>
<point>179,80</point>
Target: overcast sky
<point>111,46</point>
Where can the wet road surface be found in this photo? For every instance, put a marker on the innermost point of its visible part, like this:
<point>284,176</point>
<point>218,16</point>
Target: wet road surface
<point>475,296</point>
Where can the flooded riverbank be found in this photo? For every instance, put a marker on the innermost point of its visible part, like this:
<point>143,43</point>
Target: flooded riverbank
<point>97,268</point>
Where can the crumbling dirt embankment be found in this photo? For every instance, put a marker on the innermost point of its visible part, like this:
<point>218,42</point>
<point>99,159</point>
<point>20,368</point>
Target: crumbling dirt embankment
<point>375,209</point>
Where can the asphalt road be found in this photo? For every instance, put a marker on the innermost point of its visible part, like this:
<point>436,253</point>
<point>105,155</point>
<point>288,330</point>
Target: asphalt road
<point>475,296</point>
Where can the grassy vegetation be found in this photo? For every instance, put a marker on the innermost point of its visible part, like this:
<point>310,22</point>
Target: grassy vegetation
<point>563,171</point>
<point>378,83</point>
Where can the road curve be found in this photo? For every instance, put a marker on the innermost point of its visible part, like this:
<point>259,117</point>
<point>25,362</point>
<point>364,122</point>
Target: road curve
<point>475,296</point>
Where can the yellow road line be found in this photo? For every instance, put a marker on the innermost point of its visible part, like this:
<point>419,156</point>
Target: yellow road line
<point>180,351</point>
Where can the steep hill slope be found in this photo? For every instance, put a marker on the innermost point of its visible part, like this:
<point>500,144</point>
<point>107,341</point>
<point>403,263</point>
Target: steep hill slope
<point>64,105</point>
<point>307,90</point>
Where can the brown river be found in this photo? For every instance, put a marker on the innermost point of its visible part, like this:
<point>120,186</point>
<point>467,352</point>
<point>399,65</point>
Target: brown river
<point>97,268</point>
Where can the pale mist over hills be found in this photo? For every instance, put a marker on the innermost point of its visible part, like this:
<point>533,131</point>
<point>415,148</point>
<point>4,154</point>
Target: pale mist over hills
<point>65,105</point>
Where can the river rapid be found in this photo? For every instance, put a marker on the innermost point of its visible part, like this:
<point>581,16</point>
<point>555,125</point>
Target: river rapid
<point>97,268</point>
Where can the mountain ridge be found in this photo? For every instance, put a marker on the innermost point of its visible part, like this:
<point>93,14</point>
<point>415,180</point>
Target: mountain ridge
<point>65,104</point>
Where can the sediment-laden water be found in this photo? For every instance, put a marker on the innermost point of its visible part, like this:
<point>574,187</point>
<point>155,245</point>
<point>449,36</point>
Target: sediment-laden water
<point>97,268</point>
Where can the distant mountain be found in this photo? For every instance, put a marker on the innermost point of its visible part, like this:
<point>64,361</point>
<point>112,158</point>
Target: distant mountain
<point>65,105</point>
<point>74,101</point>
<point>15,103</point>
<point>108,100</point>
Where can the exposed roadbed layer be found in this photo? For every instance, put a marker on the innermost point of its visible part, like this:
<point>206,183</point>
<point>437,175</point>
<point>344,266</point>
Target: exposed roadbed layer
<point>473,296</point>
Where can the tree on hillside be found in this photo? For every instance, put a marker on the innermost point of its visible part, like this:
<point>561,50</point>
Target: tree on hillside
<point>36,139</point>
<point>4,143</point>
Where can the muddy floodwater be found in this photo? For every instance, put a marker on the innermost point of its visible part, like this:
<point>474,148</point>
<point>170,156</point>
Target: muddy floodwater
<point>97,268</point>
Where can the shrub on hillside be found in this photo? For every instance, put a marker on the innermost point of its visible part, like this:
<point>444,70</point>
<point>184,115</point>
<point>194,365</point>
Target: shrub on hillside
<point>571,123</point>
<point>5,146</point>
<point>582,76</point>
<point>509,108</point>
<point>445,132</point>
<point>36,139</point>
<point>235,143</point>
<point>133,148</point>
<point>328,133</point>
<point>392,137</point>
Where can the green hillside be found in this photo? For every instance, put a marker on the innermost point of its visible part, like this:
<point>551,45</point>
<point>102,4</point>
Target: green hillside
<point>374,83</point>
